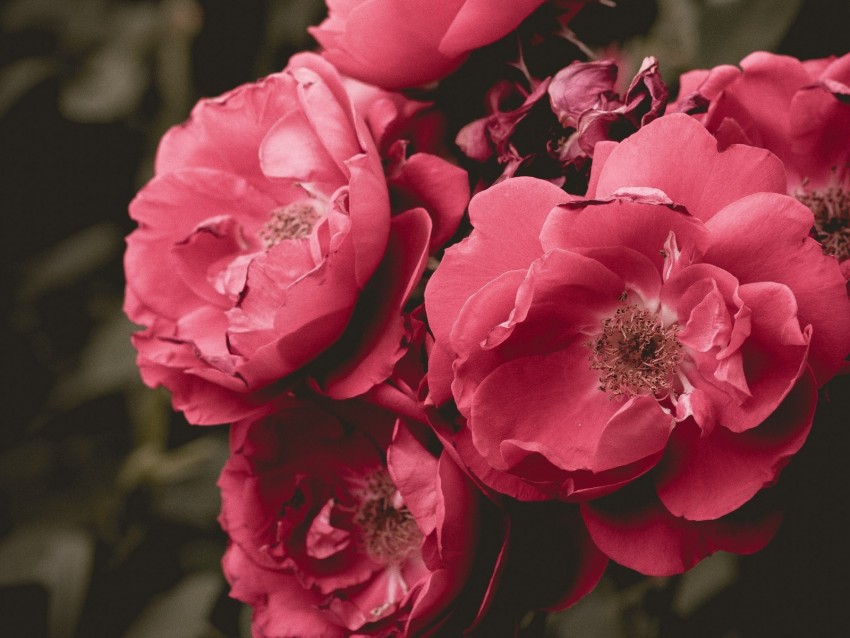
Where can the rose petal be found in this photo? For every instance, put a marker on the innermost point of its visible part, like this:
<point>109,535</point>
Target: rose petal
<point>302,617</point>
<point>487,308</point>
<point>480,22</point>
<point>373,341</point>
<point>406,50</point>
<point>691,172</point>
<point>438,186</point>
<point>413,471</point>
<point>706,477</point>
<point>789,258</point>
<point>633,528</point>
<point>173,207</point>
<point>330,116</point>
<point>518,206</point>
<point>293,150</point>
<point>554,403</point>
<point>763,90</point>
<point>323,539</point>
<point>206,140</point>
<point>642,226</point>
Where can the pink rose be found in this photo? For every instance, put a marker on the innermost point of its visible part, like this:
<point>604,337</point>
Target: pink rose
<point>673,325</point>
<point>333,534</point>
<point>403,44</point>
<point>268,250</point>
<point>798,110</point>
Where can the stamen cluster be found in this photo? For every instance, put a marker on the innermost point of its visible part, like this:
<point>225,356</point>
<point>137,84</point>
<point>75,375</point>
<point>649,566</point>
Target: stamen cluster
<point>635,353</point>
<point>831,208</point>
<point>294,221</point>
<point>388,530</point>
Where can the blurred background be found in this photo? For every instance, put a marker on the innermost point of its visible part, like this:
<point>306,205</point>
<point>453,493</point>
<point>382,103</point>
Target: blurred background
<point>108,500</point>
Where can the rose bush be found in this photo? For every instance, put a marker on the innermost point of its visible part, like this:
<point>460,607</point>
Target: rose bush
<point>798,110</point>
<point>270,241</point>
<point>672,326</point>
<point>404,44</point>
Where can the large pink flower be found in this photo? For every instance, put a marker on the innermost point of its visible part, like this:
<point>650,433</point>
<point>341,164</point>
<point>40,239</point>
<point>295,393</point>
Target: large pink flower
<point>399,43</point>
<point>267,243</point>
<point>798,110</point>
<point>334,535</point>
<point>675,323</point>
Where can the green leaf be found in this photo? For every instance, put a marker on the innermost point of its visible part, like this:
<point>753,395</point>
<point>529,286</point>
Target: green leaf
<point>705,580</point>
<point>107,364</point>
<point>58,559</point>
<point>698,34</point>
<point>181,612</point>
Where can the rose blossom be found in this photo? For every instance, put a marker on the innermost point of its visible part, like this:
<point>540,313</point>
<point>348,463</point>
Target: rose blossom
<point>404,44</point>
<point>798,110</point>
<point>333,534</point>
<point>675,323</point>
<point>267,244</point>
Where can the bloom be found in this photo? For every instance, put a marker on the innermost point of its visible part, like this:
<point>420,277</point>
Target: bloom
<point>268,224</point>
<point>800,111</point>
<point>336,531</point>
<point>404,44</point>
<point>650,329</point>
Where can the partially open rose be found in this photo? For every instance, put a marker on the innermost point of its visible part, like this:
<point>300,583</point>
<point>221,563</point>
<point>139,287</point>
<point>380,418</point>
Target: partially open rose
<point>799,110</point>
<point>268,241</point>
<point>675,323</point>
<point>333,535</point>
<point>404,44</point>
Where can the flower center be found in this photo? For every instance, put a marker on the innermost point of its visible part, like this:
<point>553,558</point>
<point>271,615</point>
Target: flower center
<point>635,353</point>
<point>831,207</point>
<point>294,221</point>
<point>388,529</point>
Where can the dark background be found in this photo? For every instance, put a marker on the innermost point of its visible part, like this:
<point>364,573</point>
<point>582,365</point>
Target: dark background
<point>108,498</point>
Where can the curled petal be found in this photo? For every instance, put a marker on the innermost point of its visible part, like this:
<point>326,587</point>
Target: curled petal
<point>692,172</point>
<point>634,529</point>
<point>705,478</point>
<point>813,278</point>
<point>500,244</point>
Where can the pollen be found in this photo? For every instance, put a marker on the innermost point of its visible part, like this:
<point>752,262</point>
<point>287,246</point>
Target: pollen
<point>831,208</point>
<point>294,221</point>
<point>388,530</point>
<point>635,353</point>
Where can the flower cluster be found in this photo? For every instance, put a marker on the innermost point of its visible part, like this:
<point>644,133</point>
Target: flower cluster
<point>438,422</point>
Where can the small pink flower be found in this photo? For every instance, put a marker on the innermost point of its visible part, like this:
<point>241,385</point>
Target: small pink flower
<point>669,331</point>
<point>799,111</point>
<point>405,44</point>
<point>267,243</point>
